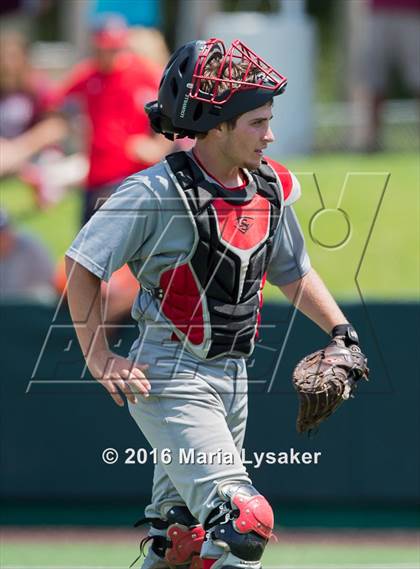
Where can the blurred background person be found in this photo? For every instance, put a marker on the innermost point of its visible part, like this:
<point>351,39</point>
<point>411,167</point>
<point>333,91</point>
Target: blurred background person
<point>26,268</point>
<point>388,55</point>
<point>28,134</point>
<point>20,14</point>
<point>149,43</point>
<point>113,86</point>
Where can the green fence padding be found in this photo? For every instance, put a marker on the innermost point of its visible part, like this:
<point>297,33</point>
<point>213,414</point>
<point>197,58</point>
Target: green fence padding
<point>54,431</point>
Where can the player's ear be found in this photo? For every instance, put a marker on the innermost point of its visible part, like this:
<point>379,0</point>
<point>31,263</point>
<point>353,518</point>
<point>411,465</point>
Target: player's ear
<point>220,130</point>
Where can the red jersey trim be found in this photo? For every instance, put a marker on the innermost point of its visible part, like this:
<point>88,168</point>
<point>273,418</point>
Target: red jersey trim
<point>284,175</point>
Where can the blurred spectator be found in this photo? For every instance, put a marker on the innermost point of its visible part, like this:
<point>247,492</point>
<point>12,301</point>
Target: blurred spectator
<point>23,91</point>
<point>391,43</point>
<point>26,270</point>
<point>27,133</point>
<point>113,87</point>
<point>149,43</point>
<point>20,14</point>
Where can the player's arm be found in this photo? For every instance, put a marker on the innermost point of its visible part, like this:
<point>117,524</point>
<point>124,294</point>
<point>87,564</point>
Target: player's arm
<point>47,132</point>
<point>310,295</point>
<point>117,374</point>
<point>51,129</point>
<point>148,148</point>
<point>114,236</point>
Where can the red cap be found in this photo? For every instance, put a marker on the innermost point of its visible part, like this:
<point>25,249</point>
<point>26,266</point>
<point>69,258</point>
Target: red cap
<point>111,34</point>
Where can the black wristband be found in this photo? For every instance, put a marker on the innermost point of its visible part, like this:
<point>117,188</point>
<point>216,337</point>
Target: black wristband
<point>348,332</point>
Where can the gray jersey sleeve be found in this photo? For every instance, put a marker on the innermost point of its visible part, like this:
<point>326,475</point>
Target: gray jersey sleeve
<point>117,232</point>
<point>289,261</point>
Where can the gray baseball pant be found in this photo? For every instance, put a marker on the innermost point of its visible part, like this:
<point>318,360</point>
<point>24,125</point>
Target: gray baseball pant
<point>193,405</point>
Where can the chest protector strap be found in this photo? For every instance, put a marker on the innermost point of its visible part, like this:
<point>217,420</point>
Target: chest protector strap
<point>213,300</point>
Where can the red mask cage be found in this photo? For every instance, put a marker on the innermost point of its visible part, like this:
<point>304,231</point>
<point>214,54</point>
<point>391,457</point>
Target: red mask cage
<point>225,81</point>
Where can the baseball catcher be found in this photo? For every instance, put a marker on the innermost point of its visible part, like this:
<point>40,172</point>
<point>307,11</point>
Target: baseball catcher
<point>326,378</point>
<point>202,231</point>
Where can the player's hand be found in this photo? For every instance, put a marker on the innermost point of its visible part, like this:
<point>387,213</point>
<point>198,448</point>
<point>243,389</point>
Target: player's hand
<point>120,376</point>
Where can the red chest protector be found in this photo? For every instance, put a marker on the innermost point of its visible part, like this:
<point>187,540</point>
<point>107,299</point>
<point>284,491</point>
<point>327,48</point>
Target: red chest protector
<point>213,300</point>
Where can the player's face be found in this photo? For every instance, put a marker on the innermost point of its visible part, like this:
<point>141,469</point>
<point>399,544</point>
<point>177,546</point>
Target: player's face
<point>105,58</point>
<point>246,142</point>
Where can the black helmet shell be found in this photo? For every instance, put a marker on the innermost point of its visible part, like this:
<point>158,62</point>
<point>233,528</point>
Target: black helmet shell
<point>179,111</point>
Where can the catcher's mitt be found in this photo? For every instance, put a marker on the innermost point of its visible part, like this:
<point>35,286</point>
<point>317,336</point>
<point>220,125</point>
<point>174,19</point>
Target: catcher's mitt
<point>324,379</point>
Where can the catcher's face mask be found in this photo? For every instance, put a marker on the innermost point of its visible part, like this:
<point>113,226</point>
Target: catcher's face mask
<point>205,84</point>
<point>226,80</point>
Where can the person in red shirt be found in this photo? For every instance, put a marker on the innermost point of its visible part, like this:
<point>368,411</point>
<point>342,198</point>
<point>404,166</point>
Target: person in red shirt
<point>113,87</point>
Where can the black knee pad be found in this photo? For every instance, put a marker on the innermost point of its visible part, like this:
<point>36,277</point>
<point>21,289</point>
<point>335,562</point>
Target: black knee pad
<point>181,515</point>
<point>243,524</point>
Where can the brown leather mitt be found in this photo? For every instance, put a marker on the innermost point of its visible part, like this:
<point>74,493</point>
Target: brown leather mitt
<point>324,379</point>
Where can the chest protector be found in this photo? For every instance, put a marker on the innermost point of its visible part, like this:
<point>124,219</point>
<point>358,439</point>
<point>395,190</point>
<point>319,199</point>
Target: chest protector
<point>214,297</point>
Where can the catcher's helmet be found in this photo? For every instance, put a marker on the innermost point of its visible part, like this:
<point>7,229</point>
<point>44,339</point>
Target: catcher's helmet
<point>192,100</point>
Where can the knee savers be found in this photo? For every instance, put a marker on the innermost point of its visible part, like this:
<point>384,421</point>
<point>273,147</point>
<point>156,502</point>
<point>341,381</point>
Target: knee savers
<point>186,537</point>
<point>243,524</point>
<point>181,544</point>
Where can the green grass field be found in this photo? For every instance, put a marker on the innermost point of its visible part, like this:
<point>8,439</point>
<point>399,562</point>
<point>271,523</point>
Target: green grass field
<point>110,549</point>
<point>374,234</point>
